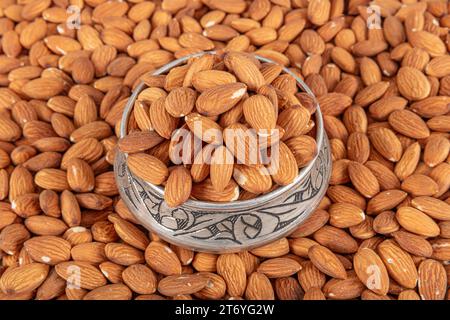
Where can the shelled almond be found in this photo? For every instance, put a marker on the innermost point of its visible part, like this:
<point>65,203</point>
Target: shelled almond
<point>383,84</point>
<point>256,113</point>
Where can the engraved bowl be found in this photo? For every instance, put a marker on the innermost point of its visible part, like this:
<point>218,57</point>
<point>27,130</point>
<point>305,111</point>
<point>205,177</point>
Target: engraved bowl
<point>231,226</point>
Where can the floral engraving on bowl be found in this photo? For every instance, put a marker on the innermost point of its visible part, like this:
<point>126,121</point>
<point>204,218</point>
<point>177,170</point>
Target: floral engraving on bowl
<point>238,227</point>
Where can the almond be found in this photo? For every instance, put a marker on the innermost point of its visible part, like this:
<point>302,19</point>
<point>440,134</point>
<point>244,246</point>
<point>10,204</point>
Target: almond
<point>409,124</point>
<point>417,222</point>
<point>279,267</point>
<point>363,179</point>
<point>43,88</point>
<point>259,287</point>
<point>344,215</point>
<point>254,179</point>
<point>48,249</point>
<point>138,141</point>
<point>162,259</point>
<point>386,142</point>
<point>433,207</point>
<point>140,279</point>
<point>24,278</point>
<point>220,99</point>
<point>284,170</point>
<point>420,185</point>
<point>180,102</point>
<point>178,186</point>
<point>294,121</point>
<point>371,271</point>
<point>413,84</point>
<point>432,280</point>
<point>221,168</point>
<point>245,70</point>
<point>81,274</point>
<point>398,263</point>
<point>123,254</point>
<point>80,176</point>
<point>182,284</point>
<point>232,270</point>
<point>327,262</point>
<point>207,79</point>
<point>259,112</point>
<point>139,164</point>
<point>413,244</point>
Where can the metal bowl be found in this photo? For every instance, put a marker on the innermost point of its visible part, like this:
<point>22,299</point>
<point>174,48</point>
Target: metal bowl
<point>232,226</point>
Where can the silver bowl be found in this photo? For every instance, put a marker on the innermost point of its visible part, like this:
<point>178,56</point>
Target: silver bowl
<point>232,226</point>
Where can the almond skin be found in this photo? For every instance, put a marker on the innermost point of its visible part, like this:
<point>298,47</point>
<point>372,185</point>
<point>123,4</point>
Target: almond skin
<point>90,277</point>
<point>371,271</point>
<point>162,259</point>
<point>327,262</point>
<point>178,187</point>
<point>386,143</point>
<point>207,79</point>
<point>413,84</point>
<point>417,222</point>
<point>217,100</point>
<point>279,267</point>
<point>246,71</point>
<point>232,269</point>
<point>24,278</point>
<point>139,164</point>
<point>285,169</point>
<point>221,169</point>
<point>259,112</point>
<point>254,179</point>
<point>363,179</point>
<point>399,264</point>
<point>432,280</point>
<point>180,102</point>
<point>48,249</point>
<point>409,124</point>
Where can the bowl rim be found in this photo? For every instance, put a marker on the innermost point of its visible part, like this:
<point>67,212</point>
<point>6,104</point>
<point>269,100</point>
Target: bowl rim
<point>238,204</point>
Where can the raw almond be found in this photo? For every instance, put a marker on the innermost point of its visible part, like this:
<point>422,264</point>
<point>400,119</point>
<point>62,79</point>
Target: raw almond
<point>279,267</point>
<point>220,99</point>
<point>178,186</point>
<point>432,280</point>
<point>139,164</point>
<point>48,249</point>
<point>417,222</point>
<point>371,271</point>
<point>24,278</point>
<point>232,270</point>
<point>162,259</point>
<point>399,264</point>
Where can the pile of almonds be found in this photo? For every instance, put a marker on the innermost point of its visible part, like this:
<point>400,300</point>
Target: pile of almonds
<point>233,125</point>
<point>381,73</point>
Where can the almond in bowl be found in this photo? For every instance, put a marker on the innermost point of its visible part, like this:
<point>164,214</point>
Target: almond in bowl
<point>222,127</point>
